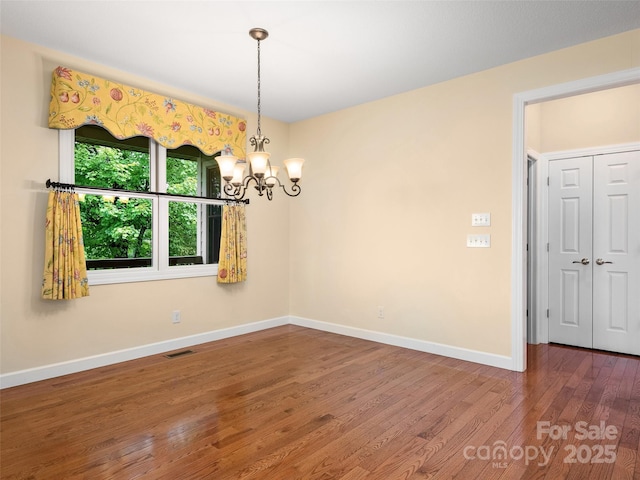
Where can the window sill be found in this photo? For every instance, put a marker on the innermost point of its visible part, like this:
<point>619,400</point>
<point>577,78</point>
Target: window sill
<point>131,275</point>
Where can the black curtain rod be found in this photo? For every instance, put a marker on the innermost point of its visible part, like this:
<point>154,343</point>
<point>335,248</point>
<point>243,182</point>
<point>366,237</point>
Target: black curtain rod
<point>50,184</point>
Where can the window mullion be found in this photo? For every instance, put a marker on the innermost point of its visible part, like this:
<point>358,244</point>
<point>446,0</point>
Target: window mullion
<point>159,163</point>
<point>159,168</point>
<point>202,211</point>
<point>162,229</point>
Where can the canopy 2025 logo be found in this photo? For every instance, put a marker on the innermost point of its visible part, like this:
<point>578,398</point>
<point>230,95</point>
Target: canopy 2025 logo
<point>499,453</point>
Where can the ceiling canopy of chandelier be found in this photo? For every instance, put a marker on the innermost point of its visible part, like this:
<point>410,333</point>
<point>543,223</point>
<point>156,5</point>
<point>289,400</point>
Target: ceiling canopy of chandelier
<point>262,174</point>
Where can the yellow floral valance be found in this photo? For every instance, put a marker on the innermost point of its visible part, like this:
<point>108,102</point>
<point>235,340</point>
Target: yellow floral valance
<point>80,99</point>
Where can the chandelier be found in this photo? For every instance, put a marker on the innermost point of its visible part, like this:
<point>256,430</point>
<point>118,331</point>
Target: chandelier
<point>262,174</point>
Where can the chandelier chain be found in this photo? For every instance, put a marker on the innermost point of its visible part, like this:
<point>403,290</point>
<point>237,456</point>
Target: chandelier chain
<point>259,129</point>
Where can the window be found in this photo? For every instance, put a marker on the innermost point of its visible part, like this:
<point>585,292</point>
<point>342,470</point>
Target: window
<point>132,233</point>
<point>194,228</point>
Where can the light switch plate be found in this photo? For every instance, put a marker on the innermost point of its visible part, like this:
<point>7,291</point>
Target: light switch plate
<point>479,241</point>
<point>480,219</point>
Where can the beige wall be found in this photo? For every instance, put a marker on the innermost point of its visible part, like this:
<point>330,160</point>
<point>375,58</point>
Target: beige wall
<point>37,332</point>
<point>389,188</point>
<point>389,191</point>
<point>608,117</point>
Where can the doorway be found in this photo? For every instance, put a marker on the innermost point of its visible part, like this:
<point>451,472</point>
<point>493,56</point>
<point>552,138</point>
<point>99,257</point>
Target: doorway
<point>519,194</point>
<point>594,251</point>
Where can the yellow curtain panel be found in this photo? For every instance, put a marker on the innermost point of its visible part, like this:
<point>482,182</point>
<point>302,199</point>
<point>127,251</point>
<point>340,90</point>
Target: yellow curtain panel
<point>80,99</point>
<point>232,266</point>
<point>65,270</point>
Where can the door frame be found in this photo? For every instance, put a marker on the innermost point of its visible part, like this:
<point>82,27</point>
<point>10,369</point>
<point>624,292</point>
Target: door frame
<point>519,193</point>
<point>537,238</point>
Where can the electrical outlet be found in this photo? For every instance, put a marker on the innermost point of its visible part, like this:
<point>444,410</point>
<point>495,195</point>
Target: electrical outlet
<point>175,316</point>
<point>480,219</point>
<point>380,312</point>
<point>479,241</point>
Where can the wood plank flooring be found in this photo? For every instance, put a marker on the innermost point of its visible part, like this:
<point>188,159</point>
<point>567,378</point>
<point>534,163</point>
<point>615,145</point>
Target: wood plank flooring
<point>293,403</point>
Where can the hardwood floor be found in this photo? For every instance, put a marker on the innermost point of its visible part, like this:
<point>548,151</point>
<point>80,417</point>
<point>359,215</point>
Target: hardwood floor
<point>293,403</point>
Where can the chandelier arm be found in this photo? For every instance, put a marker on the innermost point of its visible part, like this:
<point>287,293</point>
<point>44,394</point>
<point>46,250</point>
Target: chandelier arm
<point>295,189</point>
<point>236,192</point>
<point>247,181</point>
<point>239,191</point>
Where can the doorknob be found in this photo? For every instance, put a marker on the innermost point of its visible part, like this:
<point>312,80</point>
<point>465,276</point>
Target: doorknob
<point>601,262</point>
<point>584,261</point>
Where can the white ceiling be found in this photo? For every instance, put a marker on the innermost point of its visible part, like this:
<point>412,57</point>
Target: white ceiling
<point>320,56</point>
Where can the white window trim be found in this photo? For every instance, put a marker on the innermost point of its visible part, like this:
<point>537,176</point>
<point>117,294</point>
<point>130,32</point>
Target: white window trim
<point>160,269</point>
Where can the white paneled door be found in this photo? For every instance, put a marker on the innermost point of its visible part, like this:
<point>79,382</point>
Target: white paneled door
<point>594,252</point>
<point>570,252</point>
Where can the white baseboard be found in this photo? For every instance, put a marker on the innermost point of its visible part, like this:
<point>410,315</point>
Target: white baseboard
<point>22,377</point>
<point>475,356</point>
